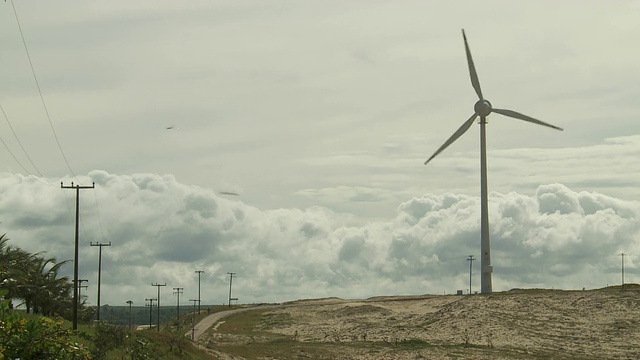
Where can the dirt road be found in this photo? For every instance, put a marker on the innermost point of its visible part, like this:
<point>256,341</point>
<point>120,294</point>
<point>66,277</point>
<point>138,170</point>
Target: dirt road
<point>210,320</point>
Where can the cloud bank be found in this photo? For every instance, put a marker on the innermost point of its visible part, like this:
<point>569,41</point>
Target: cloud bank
<point>163,230</point>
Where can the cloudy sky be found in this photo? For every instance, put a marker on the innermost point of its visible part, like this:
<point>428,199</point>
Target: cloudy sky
<point>320,115</point>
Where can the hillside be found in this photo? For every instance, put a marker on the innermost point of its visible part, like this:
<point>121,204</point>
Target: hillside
<point>524,324</point>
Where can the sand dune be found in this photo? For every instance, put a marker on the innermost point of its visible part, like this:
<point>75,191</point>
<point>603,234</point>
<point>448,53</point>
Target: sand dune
<point>596,324</point>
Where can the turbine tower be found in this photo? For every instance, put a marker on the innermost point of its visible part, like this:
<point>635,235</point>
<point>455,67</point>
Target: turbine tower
<point>482,109</point>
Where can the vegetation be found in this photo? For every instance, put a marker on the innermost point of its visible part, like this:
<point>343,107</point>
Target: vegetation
<point>41,332</point>
<point>36,337</point>
<point>34,280</point>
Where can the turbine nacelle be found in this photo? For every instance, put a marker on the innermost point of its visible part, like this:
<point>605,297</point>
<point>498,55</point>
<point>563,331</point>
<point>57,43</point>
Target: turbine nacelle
<point>483,108</point>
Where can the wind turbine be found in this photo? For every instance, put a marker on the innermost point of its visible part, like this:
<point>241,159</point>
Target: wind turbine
<point>482,109</point>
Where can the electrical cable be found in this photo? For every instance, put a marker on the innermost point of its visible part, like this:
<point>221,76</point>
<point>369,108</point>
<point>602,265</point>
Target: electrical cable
<point>23,150</point>
<point>46,110</point>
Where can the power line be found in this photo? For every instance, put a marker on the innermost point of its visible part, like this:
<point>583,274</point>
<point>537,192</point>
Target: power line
<point>55,135</point>
<point>23,150</point>
<point>46,110</point>
<point>98,212</point>
<point>14,157</point>
<point>35,78</point>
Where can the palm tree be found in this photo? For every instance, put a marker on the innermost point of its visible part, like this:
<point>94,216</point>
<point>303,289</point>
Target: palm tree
<point>34,279</point>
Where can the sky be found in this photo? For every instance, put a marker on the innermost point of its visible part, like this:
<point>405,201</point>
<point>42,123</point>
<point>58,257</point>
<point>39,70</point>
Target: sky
<point>320,115</point>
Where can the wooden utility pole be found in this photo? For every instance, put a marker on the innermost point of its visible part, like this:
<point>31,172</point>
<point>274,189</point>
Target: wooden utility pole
<point>193,320</point>
<point>99,270</point>
<point>150,311</point>
<point>178,291</point>
<point>199,272</point>
<point>622,287</point>
<point>158,286</point>
<point>130,322</point>
<point>75,256</point>
<point>230,282</point>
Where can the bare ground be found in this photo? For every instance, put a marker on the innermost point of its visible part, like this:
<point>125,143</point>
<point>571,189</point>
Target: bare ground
<point>523,324</point>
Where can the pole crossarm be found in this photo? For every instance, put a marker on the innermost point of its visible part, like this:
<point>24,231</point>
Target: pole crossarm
<point>80,287</point>
<point>75,255</point>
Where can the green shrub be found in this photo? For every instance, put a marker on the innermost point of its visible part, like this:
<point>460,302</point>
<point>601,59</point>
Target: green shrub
<point>37,338</point>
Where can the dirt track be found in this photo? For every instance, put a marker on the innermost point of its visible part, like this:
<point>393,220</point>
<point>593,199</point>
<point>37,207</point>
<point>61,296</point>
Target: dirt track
<point>210,320</point>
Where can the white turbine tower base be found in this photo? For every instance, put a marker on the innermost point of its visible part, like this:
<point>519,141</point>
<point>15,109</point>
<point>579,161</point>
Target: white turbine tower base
<point>482,109</point>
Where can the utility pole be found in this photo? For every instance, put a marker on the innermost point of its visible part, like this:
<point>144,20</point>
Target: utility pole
<point>158,286</point>
<point>470,259</point>
<point>178,291</point>
<point>80,287</point>
<point>199,272</point>
<point>75,256</point>
<point>230,282</point>
<point>130,322</point>
<point>99,270</point>
<point>193,320</point>
<point>622,287</point>
<point>150,311</point>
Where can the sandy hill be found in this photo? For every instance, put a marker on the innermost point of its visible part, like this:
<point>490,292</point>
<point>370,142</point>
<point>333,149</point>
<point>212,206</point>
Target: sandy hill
<point>523,324</point>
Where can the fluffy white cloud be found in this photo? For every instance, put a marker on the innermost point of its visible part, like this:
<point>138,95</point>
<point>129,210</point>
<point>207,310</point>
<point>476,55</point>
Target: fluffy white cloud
<point>162,231</point>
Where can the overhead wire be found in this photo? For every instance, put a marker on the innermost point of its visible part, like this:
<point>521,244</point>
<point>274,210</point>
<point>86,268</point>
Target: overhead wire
<point>14,157</point>
<point>46,110</point>
<point>44,104</point>
<point>98,211</point>
<point>23,150</point>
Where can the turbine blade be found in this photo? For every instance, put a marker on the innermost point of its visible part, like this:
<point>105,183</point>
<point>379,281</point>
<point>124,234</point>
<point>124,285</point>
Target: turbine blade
<point>517,115</point>
<point>455,136</point>
<point>472,68</point>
